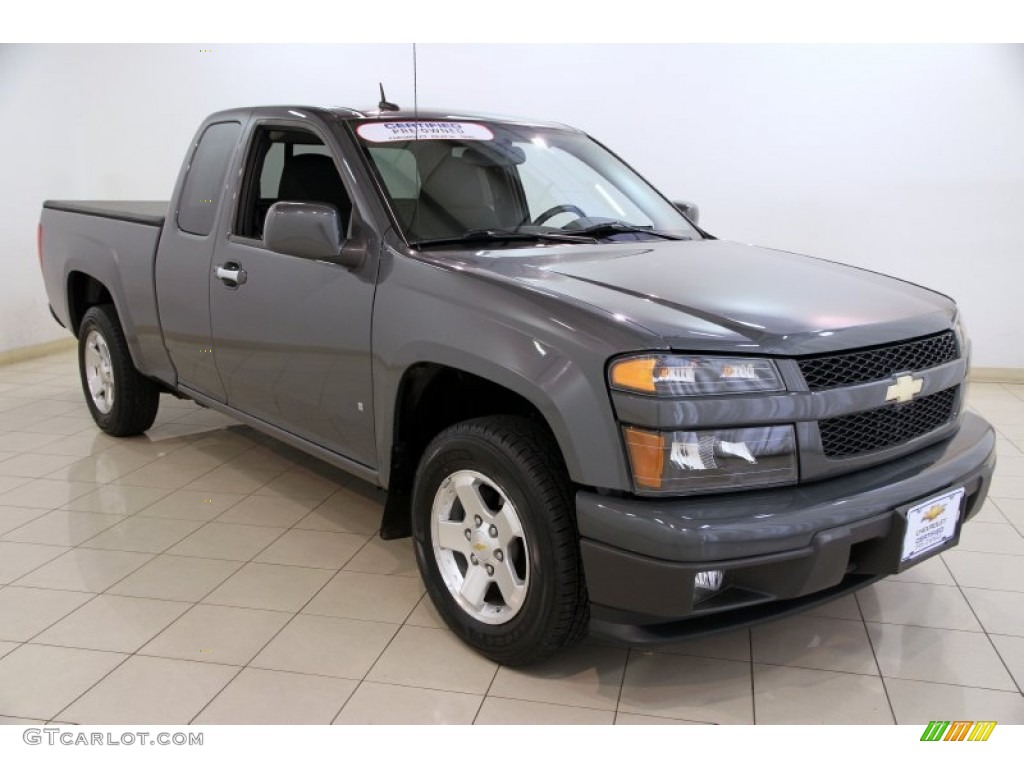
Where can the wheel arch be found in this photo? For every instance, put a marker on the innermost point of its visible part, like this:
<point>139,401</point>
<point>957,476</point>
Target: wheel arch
<point>84,291</point>
<point>430,397</point>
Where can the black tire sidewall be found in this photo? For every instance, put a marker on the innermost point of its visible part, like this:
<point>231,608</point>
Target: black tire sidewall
<point>473,451</point>
<point>103,320</point>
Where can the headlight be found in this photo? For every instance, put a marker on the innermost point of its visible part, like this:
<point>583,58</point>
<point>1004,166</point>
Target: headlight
<point>685,375</point>
<point>960,329</point>
<point>963,343</point>
<point>708,460</point>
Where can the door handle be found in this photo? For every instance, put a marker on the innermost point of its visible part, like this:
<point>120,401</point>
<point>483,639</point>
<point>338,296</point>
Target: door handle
<point>231,274</point>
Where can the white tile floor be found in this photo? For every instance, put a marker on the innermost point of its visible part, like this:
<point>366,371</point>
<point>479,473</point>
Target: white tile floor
<point>204,573</point>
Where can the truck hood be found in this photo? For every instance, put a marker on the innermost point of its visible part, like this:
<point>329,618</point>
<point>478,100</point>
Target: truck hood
<point>715,295</point>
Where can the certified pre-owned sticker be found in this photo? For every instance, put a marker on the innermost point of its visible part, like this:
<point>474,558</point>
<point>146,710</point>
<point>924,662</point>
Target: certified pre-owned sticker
<point>412,130</point>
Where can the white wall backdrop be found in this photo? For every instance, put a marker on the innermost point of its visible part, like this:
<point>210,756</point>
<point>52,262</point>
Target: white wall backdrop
<point>903,159</point>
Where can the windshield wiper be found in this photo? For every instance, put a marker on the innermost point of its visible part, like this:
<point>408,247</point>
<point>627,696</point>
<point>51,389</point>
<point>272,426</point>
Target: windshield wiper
<point>503,235</point>
<point>617,227</point>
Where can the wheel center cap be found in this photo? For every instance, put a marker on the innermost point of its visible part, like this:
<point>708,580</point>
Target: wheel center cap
<point>481,544</point>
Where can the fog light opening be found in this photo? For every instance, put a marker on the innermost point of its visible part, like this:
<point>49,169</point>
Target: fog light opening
<point>706,584</point>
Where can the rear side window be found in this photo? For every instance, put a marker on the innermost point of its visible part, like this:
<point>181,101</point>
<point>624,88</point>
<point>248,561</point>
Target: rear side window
<point>204,183</point>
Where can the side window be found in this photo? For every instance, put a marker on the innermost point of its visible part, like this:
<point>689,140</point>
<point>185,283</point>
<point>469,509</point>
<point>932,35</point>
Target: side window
<point>270,176</point>
<point>312,149</point>
<point>293,165</point>
<point>204,183</point>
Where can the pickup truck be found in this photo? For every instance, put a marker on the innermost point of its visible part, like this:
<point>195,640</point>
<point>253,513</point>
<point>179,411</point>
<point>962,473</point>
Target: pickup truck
<point>589,413</point>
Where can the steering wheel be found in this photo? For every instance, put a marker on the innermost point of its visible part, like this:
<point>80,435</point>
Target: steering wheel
<point>550,213</point>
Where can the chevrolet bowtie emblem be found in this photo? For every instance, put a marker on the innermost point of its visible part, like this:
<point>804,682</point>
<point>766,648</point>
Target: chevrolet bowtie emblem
<point>904,389</point>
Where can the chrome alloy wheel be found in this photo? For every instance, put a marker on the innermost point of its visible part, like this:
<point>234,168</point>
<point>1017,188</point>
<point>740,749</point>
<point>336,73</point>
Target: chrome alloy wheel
<point>480,547</point>
<point>99,373</point>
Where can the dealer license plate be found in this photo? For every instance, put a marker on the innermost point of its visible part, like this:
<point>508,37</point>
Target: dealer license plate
<point>931,524</point>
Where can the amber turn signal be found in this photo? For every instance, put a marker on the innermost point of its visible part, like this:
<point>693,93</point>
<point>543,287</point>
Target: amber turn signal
<point>646,456</point>
<point>635,373</point>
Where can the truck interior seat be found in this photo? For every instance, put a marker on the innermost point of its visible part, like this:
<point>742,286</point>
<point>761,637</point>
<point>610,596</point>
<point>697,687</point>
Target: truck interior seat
<point>313,178</point>
<point>453,197</point>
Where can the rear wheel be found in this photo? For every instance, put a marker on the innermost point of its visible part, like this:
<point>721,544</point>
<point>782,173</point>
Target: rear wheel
<point>496,539</point>
<point>122,401</point>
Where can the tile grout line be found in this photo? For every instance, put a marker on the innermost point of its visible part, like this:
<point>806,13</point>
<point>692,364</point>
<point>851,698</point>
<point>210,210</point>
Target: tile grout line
<point>874,655</point>
<point>241,668</point>
<point>969,586</point>
<point>753,686</point>
<point>123,518</point>
<point>391,640</point>
<point>251,560</point>
<point>99,487</point>
<point>71,703</point>
<point>305,605</point>
<point>988,636</point>
<point>348,698</point>
<point>282,628</point>
<point>142,645</point>
<point>831,671</point>
<point>33,570</point>
<point>487,693</point>
<point>622,684</point>
<point>127,656</point>
<point>154,556</point>
<point>587,707</point>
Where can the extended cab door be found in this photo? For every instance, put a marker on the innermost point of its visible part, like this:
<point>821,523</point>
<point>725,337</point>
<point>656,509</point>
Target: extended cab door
<point>292,335</point>
<point>186,250</point>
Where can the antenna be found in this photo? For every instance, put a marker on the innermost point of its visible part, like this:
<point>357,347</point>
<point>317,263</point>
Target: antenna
<point>385,105</point>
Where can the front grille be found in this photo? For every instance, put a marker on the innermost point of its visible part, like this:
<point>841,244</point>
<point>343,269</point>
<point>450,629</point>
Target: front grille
<point>885,427</point>
<point>879,363</point>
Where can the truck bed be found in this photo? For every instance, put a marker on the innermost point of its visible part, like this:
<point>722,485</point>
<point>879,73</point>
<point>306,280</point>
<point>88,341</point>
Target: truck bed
<point>149,212</point>
<point>114,244</point>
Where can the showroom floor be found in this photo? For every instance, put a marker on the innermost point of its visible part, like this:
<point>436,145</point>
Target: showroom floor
<point>205,574</point>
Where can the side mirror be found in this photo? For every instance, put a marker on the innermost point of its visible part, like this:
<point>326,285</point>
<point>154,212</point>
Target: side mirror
<point>309,231</point>
<point>690,210</point>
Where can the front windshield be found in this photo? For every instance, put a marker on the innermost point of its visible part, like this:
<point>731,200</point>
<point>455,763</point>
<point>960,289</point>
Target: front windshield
<point>459,180</point>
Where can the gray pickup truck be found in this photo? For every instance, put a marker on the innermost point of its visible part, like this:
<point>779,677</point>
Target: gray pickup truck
<point>589,413</point>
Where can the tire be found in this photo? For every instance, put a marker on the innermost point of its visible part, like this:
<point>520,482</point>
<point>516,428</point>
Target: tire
<point>121,400</point>
<point>496,542</point>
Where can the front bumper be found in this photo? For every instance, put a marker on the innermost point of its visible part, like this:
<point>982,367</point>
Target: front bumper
<point>782,550</point>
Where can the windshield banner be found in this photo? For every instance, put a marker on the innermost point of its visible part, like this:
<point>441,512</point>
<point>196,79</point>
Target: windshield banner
<point>410,130</point>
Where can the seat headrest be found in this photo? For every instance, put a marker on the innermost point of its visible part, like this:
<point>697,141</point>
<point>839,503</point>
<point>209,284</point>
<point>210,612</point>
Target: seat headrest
<point>456,183</point>
<point>313,179</point>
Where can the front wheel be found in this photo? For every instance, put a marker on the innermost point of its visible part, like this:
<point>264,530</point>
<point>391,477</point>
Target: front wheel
<point>496,539</point>
<point>121,400</point>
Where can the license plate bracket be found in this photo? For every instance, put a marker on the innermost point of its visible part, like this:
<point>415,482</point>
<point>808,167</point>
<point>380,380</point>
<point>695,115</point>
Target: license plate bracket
<point>931,526</point>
